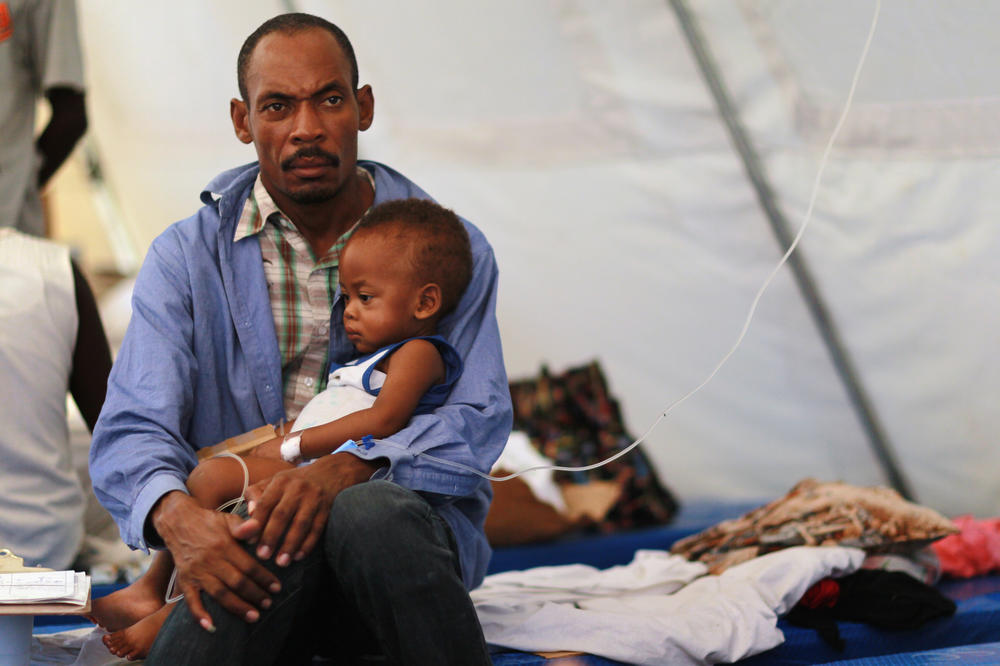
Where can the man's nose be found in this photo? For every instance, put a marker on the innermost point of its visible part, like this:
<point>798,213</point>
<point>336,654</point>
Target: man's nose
<point>307,126</point>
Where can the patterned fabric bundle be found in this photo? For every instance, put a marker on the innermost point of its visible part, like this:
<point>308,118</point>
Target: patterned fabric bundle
<point>818,514</point>
<point>573,420</point>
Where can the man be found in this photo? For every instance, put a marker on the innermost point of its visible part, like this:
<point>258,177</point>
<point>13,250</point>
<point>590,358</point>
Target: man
<point>39,54</point>
<point>231,329</point>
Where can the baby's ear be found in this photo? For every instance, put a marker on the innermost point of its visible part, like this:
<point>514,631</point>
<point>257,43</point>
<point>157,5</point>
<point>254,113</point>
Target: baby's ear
<point>429,302</point>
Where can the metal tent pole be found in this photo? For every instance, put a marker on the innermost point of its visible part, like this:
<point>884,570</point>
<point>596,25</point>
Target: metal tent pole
<point>803,278</point>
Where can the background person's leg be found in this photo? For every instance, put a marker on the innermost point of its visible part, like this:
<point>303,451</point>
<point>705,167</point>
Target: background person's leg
<point>394,560</point>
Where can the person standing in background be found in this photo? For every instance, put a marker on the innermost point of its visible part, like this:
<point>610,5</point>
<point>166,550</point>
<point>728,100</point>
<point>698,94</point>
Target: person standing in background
<point>39,55</point>
<point>51,341</point>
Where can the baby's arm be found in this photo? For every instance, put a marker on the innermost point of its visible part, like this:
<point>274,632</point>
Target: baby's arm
<point>410,372</point>
<point>217,480</point>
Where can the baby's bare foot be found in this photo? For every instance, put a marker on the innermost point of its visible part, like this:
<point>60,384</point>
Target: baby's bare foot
<point>134,642</point>
<point>125,607</point>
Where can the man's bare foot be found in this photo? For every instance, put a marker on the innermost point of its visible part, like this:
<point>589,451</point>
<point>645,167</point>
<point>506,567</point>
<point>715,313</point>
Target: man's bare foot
<point>127,606</point>
<point>134,642</point>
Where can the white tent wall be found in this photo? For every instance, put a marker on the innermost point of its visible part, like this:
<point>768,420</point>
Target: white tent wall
<point>904,239</point>
<point>160,77</point>
<point>581,137</point>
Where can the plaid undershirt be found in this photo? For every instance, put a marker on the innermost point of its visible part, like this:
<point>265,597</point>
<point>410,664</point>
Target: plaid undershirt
<point>301,289</point>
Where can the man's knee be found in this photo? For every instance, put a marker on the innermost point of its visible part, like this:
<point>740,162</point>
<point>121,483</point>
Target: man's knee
<point>367,507</point>
<point>378,515</point>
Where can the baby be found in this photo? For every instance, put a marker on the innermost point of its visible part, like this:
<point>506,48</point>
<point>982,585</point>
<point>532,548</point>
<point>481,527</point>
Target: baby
<point>405,266</point>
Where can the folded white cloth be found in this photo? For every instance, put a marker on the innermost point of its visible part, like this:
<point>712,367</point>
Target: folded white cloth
<point>660,609</point>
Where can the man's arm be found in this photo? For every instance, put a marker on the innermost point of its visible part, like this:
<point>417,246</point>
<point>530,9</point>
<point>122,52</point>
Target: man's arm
<point>67,124</point>
<point>88,380</point>
<point>149,400</point>
<point>140,457</point>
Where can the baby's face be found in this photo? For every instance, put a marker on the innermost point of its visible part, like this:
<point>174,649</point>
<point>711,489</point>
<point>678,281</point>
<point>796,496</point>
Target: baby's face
<point>380,294</point>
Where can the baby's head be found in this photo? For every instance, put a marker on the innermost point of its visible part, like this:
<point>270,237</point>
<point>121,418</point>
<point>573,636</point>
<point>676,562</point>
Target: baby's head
<point>406,265</point>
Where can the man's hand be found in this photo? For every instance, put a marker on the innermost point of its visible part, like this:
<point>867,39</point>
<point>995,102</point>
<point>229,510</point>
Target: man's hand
<point>208,557</point>
<point>296,503</point>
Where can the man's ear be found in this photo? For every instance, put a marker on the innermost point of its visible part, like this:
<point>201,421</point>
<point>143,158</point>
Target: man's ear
<point>241,120</point>
<point>429,302</point>
<point>366,107</point>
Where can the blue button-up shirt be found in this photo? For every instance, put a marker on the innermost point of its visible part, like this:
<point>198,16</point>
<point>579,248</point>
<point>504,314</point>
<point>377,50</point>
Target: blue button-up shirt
<point>200,363</point>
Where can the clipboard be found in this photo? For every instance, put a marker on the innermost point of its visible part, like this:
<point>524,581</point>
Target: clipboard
<point>11,563</point>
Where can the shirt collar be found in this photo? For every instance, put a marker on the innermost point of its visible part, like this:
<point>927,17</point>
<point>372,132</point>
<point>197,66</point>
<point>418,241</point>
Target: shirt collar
<point>260,207</point>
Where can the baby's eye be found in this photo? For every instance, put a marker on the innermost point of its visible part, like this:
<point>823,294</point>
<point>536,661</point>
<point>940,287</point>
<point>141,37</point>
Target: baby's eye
<point>347,299</point>
<point>364,298</point>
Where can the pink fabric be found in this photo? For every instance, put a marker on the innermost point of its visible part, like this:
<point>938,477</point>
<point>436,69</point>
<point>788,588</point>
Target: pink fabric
<point>972,552</point>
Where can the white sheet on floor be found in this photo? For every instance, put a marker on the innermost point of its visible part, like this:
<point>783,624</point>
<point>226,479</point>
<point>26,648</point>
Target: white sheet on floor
<point>73,647</point>
<point>660,609</point>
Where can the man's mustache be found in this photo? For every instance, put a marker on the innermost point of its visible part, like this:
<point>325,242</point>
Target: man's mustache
<point>310,153</point>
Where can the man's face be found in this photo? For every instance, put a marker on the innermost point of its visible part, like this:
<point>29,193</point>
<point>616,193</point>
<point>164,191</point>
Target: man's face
<point>302,115</point>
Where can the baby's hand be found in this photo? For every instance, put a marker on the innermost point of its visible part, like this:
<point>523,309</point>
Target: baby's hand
<point>269,449</point>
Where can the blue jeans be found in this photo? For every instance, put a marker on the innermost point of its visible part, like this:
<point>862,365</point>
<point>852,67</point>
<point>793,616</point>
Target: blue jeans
<point>386,588</point>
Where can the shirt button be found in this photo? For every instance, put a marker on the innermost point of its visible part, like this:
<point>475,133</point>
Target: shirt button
<point>309,381</point>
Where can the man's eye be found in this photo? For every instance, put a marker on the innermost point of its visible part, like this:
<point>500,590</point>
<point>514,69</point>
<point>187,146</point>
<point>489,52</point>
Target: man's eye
<point>334,100</point>
<point>274,106</point>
